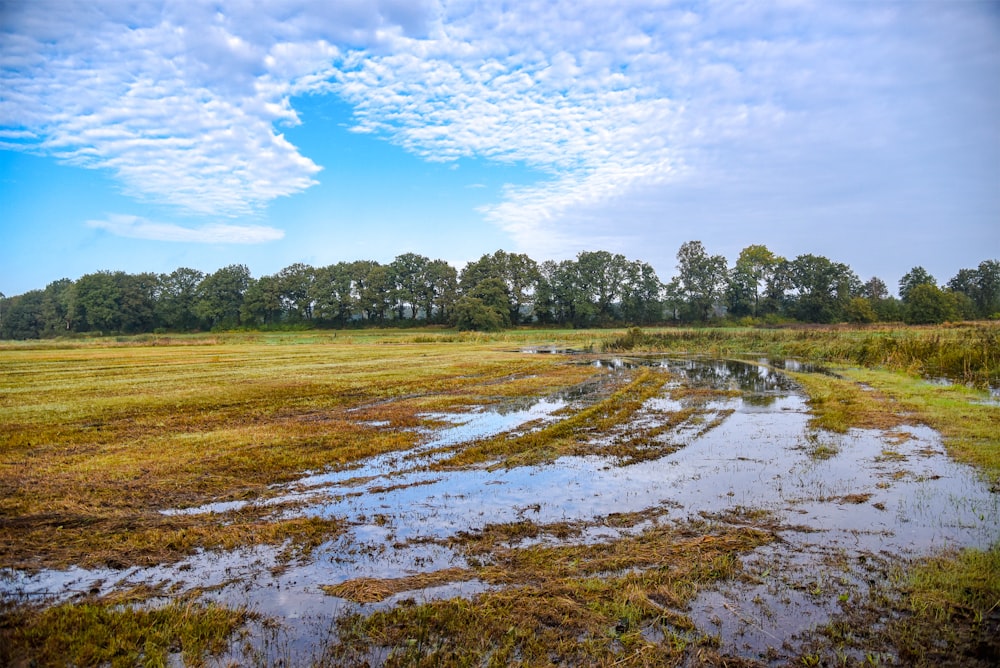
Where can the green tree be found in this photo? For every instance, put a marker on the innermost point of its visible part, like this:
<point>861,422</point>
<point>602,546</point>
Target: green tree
<point>139,293</point>
<point>332,293</point>
<point>22,316</point>
<point>472,314</point>
<point>440,290</point>
<point>642,294</point>
<point>601,278</point>
<point>913,278</point>
<point>702,279</point>
<point>823,288</point>
<point>375,288</point>
<point>987,297</point>
<point>492,294</point>
<point>98,300</point>
<point>875,289</point>
<point>982,286</point>
<point>59,306</point>
<point>177,297</point>
<point>262,302</point>
<point>518,272</point>
<point>859,310</point>
<point>295,287</point>
<point>409,272</point>
<point>220,296</point>
<point>563,294</point>
<point>753,270</point>
<point>927,304</point>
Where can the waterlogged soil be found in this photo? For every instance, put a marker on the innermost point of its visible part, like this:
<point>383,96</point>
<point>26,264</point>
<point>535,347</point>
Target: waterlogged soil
<point>722,441</point>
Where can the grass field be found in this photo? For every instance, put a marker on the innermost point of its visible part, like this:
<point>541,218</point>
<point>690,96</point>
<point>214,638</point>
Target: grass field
<point>97,437</point>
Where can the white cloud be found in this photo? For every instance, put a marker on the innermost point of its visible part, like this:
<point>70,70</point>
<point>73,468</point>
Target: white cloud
<point>135,227</point>
<point>181,101</point>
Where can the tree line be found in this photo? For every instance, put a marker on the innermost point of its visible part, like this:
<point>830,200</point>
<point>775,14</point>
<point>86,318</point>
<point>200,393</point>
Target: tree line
<point>499,290</point>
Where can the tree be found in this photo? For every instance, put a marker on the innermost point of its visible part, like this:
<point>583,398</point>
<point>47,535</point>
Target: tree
<point>375,287</point>
<point>601,279</point>
<point>294,286</point>
<point>913,278</point>
<point>98,298</point>
<point>519,274</point>
<point>885,308</point>
<point>262,301</point>
<point>859,310</point>
<point>176,302</point>
<point>701,277</point>
<point>440,290</point>
<point>987,297</point>
<point>982,286</point>
<point>642,294</point>
<point>59,306</point>
<point>492,294</point>
<point>875,289</point>
<point>409,272</point>
<point>220,296</point>
<point>22,316</point>
<point>927,304</point>
<point>139,293</point>
<point>472,314</point>
<point>331,293</point>
<point>823,287</point>
<point>753,270</point>
<point>562,295</point>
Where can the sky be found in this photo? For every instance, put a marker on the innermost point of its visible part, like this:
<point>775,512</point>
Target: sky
<point>147,136</point>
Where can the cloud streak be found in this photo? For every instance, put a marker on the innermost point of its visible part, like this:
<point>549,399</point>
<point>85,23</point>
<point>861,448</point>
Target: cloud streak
<point>134,227</point>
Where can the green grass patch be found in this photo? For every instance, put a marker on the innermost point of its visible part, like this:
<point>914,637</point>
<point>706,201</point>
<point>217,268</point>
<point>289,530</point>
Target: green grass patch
<point>97,634</point>
<point>970,427</point>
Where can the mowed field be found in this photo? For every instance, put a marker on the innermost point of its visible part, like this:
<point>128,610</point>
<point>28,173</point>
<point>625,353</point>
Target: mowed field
<point>149,453</point>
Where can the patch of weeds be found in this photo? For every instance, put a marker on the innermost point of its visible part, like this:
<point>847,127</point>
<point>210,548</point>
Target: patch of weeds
<point>854,499</point>
<point>566,604</point>
<point>372,590</point>
<point>99,633</point>
<point>569,435</point>
<point>147,540</point>
<point>970,431</point>
<point>838,405</point>
<point>820,450</point>
<point>943,610</point>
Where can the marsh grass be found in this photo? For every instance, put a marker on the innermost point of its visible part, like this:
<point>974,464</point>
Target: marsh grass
<point>840,404</point>
<point>558,604</point>
<point>943,610</point>
<point>619,425</point>
<point>969,353</point>
<point>372,590</point>
<point>970,429</point>
<point>102,634</point>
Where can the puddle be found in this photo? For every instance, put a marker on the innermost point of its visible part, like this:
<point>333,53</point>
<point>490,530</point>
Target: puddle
<point>877,494</point>
<point>988,396</point>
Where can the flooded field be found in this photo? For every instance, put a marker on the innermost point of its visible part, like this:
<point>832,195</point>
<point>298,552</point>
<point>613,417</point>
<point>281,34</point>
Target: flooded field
<point>645,456</point>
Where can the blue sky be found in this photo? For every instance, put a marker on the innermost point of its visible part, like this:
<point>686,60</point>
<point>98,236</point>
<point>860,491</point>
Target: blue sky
<point>146,136</point>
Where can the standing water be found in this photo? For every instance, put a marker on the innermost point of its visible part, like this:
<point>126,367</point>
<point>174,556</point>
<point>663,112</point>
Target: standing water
<point>838,502</point>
